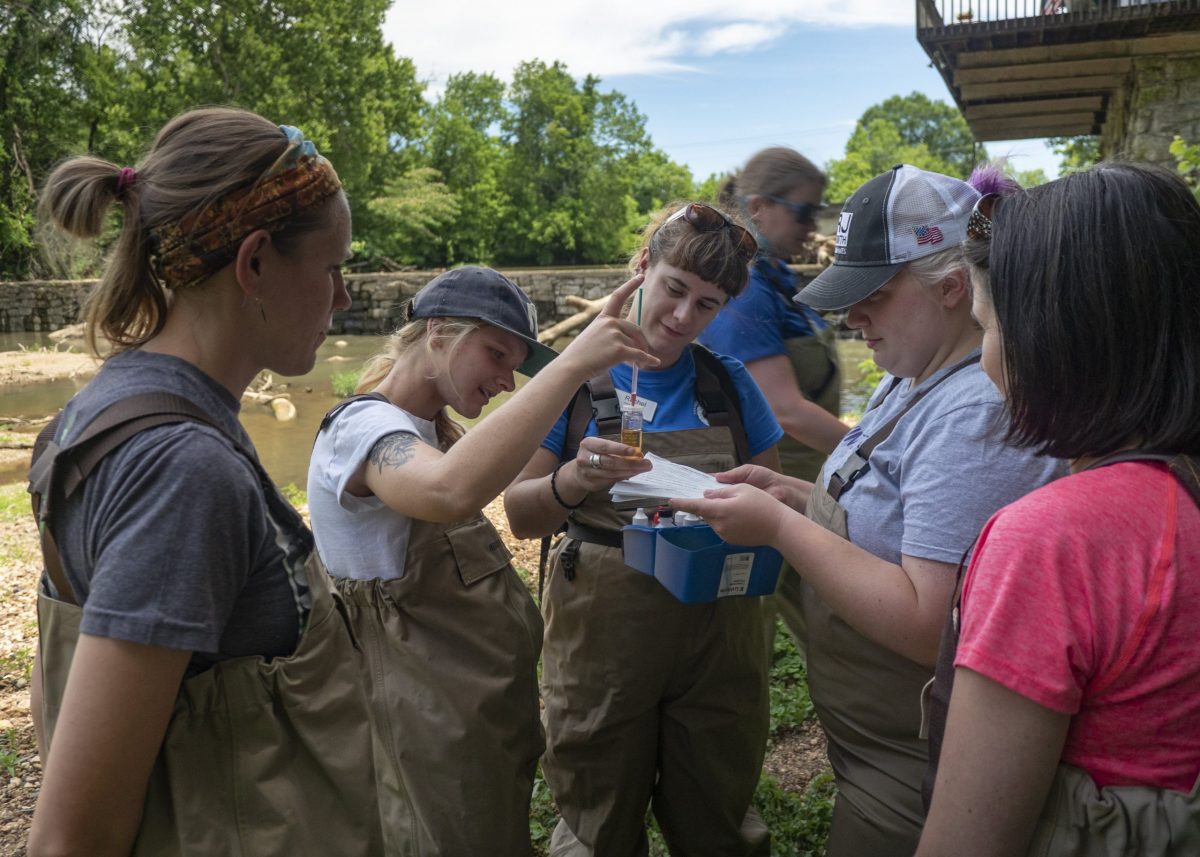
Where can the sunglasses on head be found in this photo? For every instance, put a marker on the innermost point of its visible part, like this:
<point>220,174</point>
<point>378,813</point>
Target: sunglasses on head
<point>705,218</point>
<point>979,224</point>
<point>804,212</point>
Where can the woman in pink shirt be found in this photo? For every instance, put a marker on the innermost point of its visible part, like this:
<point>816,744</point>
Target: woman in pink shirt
<point>1074,722</point>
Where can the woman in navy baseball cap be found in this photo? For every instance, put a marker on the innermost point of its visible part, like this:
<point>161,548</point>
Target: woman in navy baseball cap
<point>450,634</point>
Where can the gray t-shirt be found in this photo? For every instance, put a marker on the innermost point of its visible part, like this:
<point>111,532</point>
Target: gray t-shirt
<point>933,483</point>
<point>170,541</point>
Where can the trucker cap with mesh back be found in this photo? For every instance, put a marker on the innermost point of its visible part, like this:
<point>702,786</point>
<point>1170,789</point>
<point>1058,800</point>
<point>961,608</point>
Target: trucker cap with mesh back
<point>898,216</point>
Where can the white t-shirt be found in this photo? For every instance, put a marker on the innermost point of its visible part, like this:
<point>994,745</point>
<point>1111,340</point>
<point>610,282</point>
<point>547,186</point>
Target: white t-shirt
<point>359,537</point>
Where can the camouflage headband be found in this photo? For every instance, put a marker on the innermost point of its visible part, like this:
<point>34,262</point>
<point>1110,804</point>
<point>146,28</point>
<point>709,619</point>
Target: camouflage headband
<point>195,247</point>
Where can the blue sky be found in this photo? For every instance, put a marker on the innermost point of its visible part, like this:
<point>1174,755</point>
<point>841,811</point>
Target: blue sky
<point>716,80</point>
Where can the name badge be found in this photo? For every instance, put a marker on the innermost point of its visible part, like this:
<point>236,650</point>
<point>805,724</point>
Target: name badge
<point>649,406</point>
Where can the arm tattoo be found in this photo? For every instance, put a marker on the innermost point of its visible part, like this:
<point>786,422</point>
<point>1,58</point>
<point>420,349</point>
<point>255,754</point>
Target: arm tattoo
<point>395,450</point>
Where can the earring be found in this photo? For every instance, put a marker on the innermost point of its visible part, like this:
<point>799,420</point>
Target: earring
<point>261,310</point>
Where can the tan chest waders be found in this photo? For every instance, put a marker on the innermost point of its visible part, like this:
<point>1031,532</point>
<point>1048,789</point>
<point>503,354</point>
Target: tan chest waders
<point>867,697</point>
<point>259,757</point>
<point>649,700</point>
<point>1079,819</point>
<point>451,651</point>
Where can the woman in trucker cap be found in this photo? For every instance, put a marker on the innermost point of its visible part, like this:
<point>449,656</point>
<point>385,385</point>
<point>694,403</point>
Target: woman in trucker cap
<point>648,700</point>
<point>396,488</point>
<point>877,538</point>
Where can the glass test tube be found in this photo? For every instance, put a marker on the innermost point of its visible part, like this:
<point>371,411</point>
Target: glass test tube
<point>631,426</point>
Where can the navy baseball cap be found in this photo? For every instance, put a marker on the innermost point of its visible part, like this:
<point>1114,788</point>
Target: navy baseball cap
<point>896,217</point>
<point>488,295</point>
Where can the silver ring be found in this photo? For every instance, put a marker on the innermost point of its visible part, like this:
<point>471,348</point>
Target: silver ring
<point>594,460</point>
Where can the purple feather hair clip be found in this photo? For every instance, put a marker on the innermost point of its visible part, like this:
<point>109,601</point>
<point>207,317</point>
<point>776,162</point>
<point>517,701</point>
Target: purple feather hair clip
<point>991,178</point>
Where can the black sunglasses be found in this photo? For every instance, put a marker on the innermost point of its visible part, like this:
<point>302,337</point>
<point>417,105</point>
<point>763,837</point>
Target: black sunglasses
<point>804,212</point>
<point>705,218</point>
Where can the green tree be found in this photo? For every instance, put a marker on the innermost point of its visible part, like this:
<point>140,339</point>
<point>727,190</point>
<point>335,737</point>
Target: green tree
<point>566,170</point>
<point>1030,178</point>
<point>323,67</point>
<point>876,147</point>
<point>462,143</point>
<point>44,79</point>
<point>935,124</point>
<point>1077,153</point>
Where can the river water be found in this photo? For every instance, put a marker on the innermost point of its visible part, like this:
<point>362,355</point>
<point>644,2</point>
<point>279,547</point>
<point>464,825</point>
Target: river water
<point>284,446</point>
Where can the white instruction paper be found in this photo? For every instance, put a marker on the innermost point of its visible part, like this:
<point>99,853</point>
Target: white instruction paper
<point>665,480</point>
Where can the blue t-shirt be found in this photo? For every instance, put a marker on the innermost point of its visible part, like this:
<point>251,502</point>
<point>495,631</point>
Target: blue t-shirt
<point>673,390</point>
<point>757,323</point>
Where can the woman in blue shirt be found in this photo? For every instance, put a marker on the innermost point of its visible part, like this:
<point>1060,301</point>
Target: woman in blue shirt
<point>649,700</point>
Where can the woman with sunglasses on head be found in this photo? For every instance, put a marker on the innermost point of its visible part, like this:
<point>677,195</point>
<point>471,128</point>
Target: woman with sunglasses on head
<point>194,691</point>
<point>876,539</point>
<point>396,491</point>
<point>1073,722</point>
<point>649,700</point>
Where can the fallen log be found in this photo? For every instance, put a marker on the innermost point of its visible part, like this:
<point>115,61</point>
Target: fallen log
<point>568,324</point>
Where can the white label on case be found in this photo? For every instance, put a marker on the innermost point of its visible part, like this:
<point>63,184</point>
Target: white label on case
<point>735,574</point>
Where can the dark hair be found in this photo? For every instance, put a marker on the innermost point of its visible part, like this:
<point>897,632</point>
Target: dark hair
<point>775,171</point>
<point>714,257</point>
<point>1095,283</point>
<point>197,158</point>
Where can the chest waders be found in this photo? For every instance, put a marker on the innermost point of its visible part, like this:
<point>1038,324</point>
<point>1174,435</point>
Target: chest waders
<point>259,757</point>
<point>451,651</point>
<point>867,697</point>
<point>1079,819</point>
<point>649,700</point>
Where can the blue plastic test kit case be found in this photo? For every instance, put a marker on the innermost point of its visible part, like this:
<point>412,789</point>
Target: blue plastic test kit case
<point>697,565</point>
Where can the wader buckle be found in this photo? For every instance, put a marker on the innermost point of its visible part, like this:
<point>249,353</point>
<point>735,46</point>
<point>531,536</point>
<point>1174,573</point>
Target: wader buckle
<point>569,557</point>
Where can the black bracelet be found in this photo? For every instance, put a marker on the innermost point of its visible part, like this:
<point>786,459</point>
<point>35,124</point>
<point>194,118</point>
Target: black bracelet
<point>554,489</point>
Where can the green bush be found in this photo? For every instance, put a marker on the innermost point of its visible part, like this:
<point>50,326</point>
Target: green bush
<point>344,383</point>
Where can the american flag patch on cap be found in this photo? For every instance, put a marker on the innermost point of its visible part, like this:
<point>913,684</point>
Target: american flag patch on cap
<point>928,235</point>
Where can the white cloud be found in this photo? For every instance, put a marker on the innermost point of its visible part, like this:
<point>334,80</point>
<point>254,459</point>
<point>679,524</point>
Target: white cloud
<point>736,38</point>
<point>611,37</point>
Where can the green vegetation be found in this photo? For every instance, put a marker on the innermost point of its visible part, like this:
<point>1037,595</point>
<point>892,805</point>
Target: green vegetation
<point>545,169</point>
<point>10,751</point>
<point>17,665</point>
<point>14,502</point>
<point>790,704</point>
<point>1077,153</point>
<point>1187,162</point>
<point>344,383</point>
<point>909,129</point>
<point>294,494</point>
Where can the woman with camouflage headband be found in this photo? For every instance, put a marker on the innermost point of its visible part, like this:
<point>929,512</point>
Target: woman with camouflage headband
<point>191,695</point>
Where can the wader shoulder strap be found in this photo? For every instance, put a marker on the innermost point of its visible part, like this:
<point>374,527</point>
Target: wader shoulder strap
<point>333,412</point>
<point>592,398</point>
<point>57,472</point>
<point>859,460</point>
<point>719,399</point>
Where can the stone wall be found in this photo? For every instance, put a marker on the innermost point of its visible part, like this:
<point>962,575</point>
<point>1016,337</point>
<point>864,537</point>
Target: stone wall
<point>1163,100</point>
<point>377,299</point>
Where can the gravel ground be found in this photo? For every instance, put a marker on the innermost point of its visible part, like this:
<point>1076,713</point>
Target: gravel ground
<point>795,756</point>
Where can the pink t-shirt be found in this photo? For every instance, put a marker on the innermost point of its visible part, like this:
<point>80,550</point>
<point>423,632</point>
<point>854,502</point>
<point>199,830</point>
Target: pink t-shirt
<point>1084,597</point>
